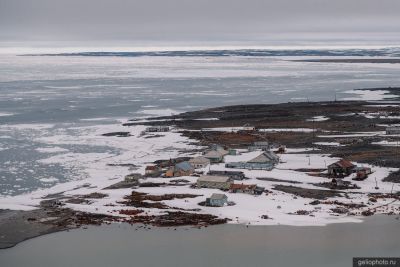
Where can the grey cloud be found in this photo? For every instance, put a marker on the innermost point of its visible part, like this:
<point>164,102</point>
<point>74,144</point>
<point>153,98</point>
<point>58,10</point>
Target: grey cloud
<point>188,19</point>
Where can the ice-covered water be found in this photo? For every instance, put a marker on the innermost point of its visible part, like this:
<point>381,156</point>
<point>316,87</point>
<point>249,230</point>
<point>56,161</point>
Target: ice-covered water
<point>47,96</point>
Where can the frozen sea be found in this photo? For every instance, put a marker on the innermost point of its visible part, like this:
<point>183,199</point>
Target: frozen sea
<point>48,96</point>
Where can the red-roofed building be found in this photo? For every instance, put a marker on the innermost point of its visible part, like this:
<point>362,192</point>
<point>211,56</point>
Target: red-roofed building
<point>341,168</point>
<point>152,170</point>
<point>251,189</point>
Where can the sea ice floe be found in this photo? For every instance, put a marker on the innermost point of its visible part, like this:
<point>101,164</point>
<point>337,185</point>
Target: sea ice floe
<point>368,95</point>
<point>159,112</point>
<point>51,149</point>
<point>49,180</point>
<point>6,114</point>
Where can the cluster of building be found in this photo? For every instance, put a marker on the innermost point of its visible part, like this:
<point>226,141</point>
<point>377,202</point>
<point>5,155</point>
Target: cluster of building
<point>221,179</point>
<point>216,153</point>
<point>225,180</point>
<point>225,183</point>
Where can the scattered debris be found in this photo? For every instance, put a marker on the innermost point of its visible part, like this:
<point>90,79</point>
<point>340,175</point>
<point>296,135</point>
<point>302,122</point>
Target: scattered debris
<point>278,180</point>
<point>315,202</point>
<point>367,213</point>
<point>179,219</point>
<point>95,195</point>
<point>340,210</point>
<point>130,212</point>
<point>78,201</point>
<point>302,212</point>
<point>141,200</point>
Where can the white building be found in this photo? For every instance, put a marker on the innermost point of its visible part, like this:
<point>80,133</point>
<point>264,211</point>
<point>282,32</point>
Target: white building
<point>199,162</point>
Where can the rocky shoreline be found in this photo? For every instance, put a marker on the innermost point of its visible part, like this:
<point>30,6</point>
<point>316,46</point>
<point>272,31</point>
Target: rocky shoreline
<point>51,217</point>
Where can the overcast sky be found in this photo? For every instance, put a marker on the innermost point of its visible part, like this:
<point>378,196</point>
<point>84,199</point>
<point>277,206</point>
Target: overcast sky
<point>195,20</point>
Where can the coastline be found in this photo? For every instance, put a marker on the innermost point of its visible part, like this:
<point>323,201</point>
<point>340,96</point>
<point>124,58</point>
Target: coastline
<point>15,227</point>
<point>215,120</point>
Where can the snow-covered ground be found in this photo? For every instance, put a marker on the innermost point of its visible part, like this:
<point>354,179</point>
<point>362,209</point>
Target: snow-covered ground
<point>318,118</point>
<point>358,134</point>
<point>225,129</point>
<point>96,173</point>
<point>387,143</point>
<point>236,129</point>
<point>278,205</point>
<point>303,130</point>
<point>382,105</point>
<point>328,144</point>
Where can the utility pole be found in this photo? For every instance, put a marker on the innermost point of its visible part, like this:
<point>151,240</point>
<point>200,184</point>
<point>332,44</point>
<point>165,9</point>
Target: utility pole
<point>313,135</point>
<point>376,187</point>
